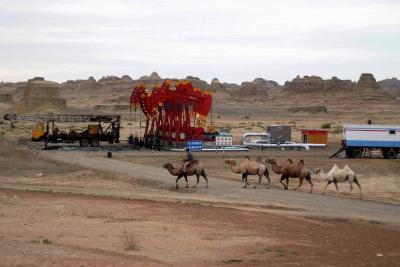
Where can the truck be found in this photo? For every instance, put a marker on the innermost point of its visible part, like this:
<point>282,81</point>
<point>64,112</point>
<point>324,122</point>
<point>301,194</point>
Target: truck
<point>360,139</point>
<point>98,128</point>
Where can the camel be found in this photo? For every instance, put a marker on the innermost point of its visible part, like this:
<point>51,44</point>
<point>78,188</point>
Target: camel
<point>337,175</point>
<point>292,170</point>
<point>275,167</point>
<point>249,167</point>
<point>192,169</point>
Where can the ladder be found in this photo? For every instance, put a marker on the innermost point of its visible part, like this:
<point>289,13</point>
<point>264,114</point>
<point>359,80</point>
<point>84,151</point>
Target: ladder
<point>63,118</point>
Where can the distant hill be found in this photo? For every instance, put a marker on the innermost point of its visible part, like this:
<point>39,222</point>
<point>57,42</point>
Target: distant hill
<point>112,93</point>
<point>391,85</point>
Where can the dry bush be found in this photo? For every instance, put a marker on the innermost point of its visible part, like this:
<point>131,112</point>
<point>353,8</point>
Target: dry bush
<point>129,241</point>
<point>326,125</point>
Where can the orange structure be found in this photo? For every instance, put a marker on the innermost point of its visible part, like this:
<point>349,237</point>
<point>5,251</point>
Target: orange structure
<point>315,136</point>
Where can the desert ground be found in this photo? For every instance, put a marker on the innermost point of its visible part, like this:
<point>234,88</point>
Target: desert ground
<point>70,207</point>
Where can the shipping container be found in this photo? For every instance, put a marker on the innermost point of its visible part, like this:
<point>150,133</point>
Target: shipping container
<point>315,136</point>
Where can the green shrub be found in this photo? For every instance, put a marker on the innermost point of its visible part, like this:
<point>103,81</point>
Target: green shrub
<point>337,130</point>
<point>326,125</point>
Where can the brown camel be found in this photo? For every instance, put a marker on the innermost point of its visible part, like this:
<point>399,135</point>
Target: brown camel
<point>192,169</point>
<point>292,170</point>
<point>275,167</point>
<point>249,167</point>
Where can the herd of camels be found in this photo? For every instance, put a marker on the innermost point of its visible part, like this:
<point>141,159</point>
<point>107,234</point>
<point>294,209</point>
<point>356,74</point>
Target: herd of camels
<point>257,167</point>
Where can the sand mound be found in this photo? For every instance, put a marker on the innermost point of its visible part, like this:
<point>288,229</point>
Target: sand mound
<point>42,96</point>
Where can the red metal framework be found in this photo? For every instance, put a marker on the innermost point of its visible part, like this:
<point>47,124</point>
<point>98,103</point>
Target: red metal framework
<point>173,114</point>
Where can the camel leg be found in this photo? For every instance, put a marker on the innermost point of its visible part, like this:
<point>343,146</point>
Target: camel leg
<point>203,173</point>
<point>308,178</point>
<point>300,183</point>
<point>266,173</point>
<point>198,180</point>
<point>351,187</point>
<point>244,178</point>
<point>260,178</point>
<point>359,186</point>
<point>186,180</point>
<point>177,180</point>
<point>281,181</point>
<point>337,188</point>
<point>329,182</point>
<point>287,183</point>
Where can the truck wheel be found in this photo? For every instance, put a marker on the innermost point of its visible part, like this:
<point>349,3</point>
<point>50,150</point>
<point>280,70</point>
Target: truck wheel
<point>94,142</point>
<point>357,153</point>
<point>84,142</point>
<point>391,154</point>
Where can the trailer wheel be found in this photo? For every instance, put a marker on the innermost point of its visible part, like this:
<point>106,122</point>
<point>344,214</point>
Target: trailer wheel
<point>357,153</point>
<point>391,154</point>
<point>84,142</point>
<point>94,142</point>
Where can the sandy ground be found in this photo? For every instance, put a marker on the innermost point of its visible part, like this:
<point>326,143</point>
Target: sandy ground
<point>221,226</point>
<point>68,230</point>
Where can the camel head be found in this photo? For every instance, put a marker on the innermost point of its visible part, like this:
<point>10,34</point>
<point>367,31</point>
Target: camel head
<point>168,166</point>
<point>230,161</point>
<point>271,161</point>
<point>318,170</point>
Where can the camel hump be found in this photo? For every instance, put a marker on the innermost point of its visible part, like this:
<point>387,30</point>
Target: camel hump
<point>301,162</point>
<point>290,160</point>
<point>259,159</point>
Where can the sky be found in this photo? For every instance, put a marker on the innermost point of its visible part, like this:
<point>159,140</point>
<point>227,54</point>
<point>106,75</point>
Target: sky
<point>232,40</point>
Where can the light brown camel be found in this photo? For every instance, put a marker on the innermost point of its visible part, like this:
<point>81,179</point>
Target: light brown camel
<point>249,167</point>
<point>275,167</point>
<point>292,170</point>
<point>192,169</point>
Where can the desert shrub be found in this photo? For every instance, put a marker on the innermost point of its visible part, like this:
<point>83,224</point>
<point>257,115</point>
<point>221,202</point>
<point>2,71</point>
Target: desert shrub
<point>247,117</point>
<point>326,125</point>
<point>129,241</point>
<point>337,130</point>
<point>230,261</point>
<point>12,126</point>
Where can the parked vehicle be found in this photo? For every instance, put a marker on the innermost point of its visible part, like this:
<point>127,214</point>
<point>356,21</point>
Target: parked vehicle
<point>101,128</point>
<point>360,139</point>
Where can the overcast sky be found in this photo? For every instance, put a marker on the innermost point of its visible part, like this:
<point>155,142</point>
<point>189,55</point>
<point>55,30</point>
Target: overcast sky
<point>231,40</point>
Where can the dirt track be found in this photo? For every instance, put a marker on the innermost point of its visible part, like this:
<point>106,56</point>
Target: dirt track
<point>228,192</point>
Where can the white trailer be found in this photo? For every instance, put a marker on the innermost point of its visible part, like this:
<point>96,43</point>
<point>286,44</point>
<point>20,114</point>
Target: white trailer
<point>360,139</point>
